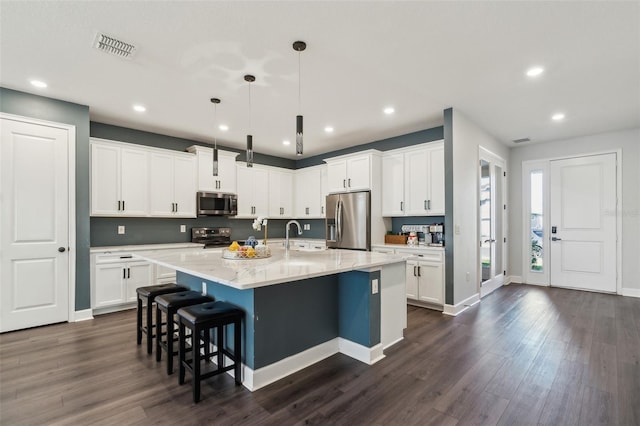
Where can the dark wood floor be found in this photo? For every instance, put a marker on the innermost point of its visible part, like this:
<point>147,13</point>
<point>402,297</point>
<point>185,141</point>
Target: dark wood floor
<point>525,355</point>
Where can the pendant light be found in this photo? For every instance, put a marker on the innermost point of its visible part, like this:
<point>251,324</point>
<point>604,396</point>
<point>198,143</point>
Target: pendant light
<point>299,46</point>
<point>215,102</point>
<point>249,79</point>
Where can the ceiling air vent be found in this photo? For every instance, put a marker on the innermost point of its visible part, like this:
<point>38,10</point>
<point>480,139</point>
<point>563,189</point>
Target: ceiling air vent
<point>523,140</point>
<point>113,46</point>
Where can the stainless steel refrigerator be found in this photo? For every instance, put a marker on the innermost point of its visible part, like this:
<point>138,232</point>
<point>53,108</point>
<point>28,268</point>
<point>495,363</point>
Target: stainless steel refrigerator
<point>349,220</point>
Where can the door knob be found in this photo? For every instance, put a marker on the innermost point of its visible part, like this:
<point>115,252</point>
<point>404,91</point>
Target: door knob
<point>61,249</point>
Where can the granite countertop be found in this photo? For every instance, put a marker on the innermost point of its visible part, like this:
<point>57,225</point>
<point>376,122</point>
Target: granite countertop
<point>281,267</point>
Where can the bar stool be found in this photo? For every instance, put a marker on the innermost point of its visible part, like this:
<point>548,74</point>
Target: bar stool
<point>169,304</point>
<point>201,319</point>
<point>149,294</point>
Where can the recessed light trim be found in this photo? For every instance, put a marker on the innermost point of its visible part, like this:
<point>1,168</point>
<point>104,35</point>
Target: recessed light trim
<point>139,108</point>
<point>389,110</point>
<point>558,117</point>
<point>223,127</point>
<point>39,84</point>
<point>328,129</point>
<point>286,142</point>
<point>534,71</point>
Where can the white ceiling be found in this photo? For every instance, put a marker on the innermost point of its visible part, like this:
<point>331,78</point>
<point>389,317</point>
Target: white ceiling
<point>420,57</point>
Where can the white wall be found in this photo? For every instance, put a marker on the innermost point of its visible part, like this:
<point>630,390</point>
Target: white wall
<point>467,138</point>
<point>629,142</point>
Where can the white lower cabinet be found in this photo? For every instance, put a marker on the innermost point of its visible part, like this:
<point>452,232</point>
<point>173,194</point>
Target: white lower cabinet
<point>424,274</point>
<point>115,283</point>
<point>425,281</point>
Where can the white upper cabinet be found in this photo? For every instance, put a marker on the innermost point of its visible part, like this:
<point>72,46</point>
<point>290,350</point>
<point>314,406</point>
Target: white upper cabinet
<point>309,194</point>
<point>253,191</point>
<point>413,181</point>
<point>350,172</point>
<point>119,179</point>
<point>280,193</point>
<point>173,184</point>
<point>226,179</point>
<point>393,185</point>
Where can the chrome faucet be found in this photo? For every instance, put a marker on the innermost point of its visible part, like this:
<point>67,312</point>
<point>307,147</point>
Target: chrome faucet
<point>295,222</point>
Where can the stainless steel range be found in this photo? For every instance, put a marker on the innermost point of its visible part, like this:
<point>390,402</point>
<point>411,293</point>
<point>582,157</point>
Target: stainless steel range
<point>211,237</point>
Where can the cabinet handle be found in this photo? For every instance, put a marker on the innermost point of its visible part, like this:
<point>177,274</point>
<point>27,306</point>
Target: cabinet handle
<point>128,272</point>
<point>425,204</point>
<point>306,209</point>
<point>349,182</point>
<point>429,204</point>
<point>414,271</point>
<point>322,209</point>
<point>123,205</point>
<point>401,206</point>
<point>176,207</point>
<point>344,183</point>
<point>419,274</point>
<point>119,205</point>
<point>124,273</point>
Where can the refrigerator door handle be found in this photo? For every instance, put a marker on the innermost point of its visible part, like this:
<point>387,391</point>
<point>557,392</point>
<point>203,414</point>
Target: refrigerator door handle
<point>339,220</point>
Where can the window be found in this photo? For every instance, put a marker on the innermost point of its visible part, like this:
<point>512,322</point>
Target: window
<point>537,221</point>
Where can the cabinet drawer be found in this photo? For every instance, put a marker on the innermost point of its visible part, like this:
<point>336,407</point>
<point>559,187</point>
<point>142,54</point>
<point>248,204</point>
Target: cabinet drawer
<point>114,258</point>
<point>430,256</point>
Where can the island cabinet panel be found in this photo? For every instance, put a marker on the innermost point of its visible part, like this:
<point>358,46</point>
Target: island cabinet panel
<point>359,308</point>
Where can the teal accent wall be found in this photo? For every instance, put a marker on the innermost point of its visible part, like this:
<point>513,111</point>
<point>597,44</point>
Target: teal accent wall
<point>124,134</point>
<point>415,138</point>
<point>448,205</point>
<point>40,107</point>
<point>359,310</point>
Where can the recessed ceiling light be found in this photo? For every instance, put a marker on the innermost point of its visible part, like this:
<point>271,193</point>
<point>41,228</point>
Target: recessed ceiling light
<point>286,142</point>
<point>535,71</point>
<point>139,108</point>
<point>223,127</point>
<point>557,117</point>
<point>389,110</point>
<point>328,129</point>
<point>39,84</point>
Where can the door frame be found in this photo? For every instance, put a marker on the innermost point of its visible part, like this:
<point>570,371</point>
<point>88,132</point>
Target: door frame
<point>494,159</point>
<point>546,198</point>
<point>71,186</point>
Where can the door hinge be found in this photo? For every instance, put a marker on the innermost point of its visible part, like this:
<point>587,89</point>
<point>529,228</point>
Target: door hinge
<point>505,207</point>
<point>505,239</point>
<point>504,174</point>
<point>504,273</point>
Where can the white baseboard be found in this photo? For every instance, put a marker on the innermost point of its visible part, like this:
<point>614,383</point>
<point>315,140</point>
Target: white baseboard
<point>83,315</point>
<point>256,379</point>
<point>631,292</point>
<point>361,353</point>
<point>458,308</point>
<point>515,279</point>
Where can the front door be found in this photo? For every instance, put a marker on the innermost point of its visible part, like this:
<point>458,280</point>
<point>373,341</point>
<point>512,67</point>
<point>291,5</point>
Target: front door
<point>34,224</point>
<point>583,223</point>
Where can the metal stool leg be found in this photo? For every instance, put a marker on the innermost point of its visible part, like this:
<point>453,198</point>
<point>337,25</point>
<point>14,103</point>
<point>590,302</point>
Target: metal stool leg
<point>237,352</point>
<point>149,325</point>
<point>195,351</point>
<point>182,348</point>
<point>139,321</point>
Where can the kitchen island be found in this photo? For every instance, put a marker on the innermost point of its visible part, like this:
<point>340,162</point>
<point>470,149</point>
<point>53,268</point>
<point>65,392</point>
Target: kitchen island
<point>301,306</point>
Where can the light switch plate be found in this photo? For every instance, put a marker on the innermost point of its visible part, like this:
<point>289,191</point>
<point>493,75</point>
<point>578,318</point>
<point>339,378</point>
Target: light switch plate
<point>120,229</point>
<point>374,286</point>
<point>183,228</point>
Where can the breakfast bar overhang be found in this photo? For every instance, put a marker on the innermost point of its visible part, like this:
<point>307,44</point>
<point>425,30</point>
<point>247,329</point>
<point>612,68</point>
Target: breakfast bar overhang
<point>301,306</point>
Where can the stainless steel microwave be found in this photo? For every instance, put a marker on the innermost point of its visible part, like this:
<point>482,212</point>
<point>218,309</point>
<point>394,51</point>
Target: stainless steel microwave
<point>217,204</point>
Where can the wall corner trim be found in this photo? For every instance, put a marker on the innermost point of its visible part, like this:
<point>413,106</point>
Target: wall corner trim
<point>83,315</point>
<point>361,353</point>
<point>459,308</point>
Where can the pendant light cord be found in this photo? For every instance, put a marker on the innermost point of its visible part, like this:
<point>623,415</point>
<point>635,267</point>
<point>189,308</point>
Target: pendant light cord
<point>299,86</point>
<point>249,107</point>
<point>215,122</point>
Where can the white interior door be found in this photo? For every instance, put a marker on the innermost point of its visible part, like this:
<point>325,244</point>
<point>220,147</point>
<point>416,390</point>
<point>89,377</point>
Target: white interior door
<point>583,223</point>
<point>34,225</point>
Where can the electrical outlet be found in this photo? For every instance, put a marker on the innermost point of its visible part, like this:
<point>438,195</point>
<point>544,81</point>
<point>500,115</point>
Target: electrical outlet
<point>306,226</point>
<point>120,229</point>
<point>374,286</point>
<point>204,287</point>
<point>183,228</point>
